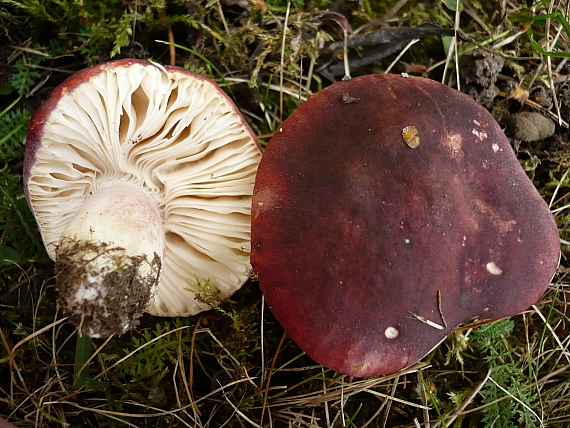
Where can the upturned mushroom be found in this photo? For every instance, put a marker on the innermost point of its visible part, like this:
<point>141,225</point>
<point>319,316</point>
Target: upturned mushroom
<point>140,178</point>
<point>387,210</point>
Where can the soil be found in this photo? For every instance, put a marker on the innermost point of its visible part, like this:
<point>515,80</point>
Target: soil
<point>528,115</point>
<point>479,71</point>
<point>121,296</point>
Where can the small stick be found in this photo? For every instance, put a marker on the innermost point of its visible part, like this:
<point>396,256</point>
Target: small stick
<point>221,12</point>
<point>423,396</point>
<point>266,394</point>
<point>191,369</point>
<point>345,55</point>
<point>428,322</point>
<point>172,49</point>
<point>440,309</point>
<point>283,63</point>
<point>389,35</point>
<point>393,63</point>
<point>451,417</point>
<point>368,57</point>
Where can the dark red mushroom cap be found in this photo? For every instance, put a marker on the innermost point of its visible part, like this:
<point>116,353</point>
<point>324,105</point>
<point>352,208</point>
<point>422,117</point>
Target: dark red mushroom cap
<point>386,211</point>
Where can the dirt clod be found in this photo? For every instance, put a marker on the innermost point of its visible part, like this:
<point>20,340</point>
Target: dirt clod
<point>529,126</point>
<point>101,289</point>
<point>479,72</point>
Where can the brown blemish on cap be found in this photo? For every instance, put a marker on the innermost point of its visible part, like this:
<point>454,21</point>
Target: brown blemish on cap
<point>504,226</point>
<point>410,136</point>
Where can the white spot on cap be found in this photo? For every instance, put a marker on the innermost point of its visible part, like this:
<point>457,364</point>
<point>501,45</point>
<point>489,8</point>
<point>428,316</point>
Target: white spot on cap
<point>455,144</point>
<point>495,147</point>
<point>391,333</point>
<point>493,269</point>
<point>481,135</point>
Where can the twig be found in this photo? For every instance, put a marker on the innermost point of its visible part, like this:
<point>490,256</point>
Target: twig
<point>222,17</point>
<point>262,327</point>
<point>557,189</point>
<point>238,411</point>
<point>392,396</point>
<point>473,14</point>
<point>428,322</point>
<point>448,60</point>
<point>554,335</point>
<point>423,397</point>
<point>369,57</point>
<point>345,55</point>
<point>326,403</point>
<point>191,367</point>
<point>403,51</point>
<point>393,10</point>
<point>456,412</point>
<point>389,400</point>
<point>389,35</point>
<point>281,71</point>
<point>266,394</point>
<point>310,74</point>
<point>440,309</point>
<point>374,417</point>
<point>171,48</point>
<point>456,30</point>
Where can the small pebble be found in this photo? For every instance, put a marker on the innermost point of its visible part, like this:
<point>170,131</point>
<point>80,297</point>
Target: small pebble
<point>529,126</point>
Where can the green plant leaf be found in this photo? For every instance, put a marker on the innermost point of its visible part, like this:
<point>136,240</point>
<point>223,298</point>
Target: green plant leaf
<point>82,355</point>
<point>541,50</point>
<point>25,77</point>
<point>452,5</point>
<point>9,256</point>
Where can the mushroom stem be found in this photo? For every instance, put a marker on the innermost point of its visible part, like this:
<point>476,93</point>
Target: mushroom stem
<point>109,259</point>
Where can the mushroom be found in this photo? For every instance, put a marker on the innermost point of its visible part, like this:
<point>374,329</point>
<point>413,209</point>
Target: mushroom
<point>5,424</point>
<point>140,178</point>
<point>380,224</point>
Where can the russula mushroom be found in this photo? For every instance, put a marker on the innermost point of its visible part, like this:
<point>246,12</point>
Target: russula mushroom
<point>381,224</point>
<point>140,178</point>
<point>5,424</point>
